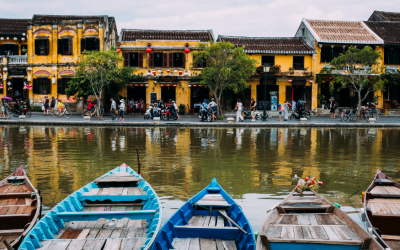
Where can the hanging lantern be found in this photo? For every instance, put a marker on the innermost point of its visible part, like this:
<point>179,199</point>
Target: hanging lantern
<point>1,86</point>
<point>149,50</point>
<point>154,73</point>
<point>194,85</point>
<point>189,86</point>
<point>174,85</point>
<point>168,71</point>
<point>67,98</point>
<point>290,80</point>
<point>162,85</point>
<point>136,85</point>
<point>119,50</point>
<point>141,85</point>
<point>199,86</point>
<point>73,98</point>
<point>187,51</point>
<point>168,85</point>
<point>311,81</point>
<point>180,72</point>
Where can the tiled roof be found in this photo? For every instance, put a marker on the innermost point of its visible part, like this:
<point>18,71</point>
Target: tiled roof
<point>388,31</point>
<point>342,32</point>
<point>13,26</point>
<point>181,35</point>
<point>59,18</point>
<point>388,16</point>
<point>275,45</point>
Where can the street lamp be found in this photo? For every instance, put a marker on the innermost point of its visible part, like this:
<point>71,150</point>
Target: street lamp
<point>266,68</point>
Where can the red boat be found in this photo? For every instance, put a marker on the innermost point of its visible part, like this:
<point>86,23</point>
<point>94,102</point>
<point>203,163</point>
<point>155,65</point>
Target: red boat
<point>382,210</point>
<point>20,208</point>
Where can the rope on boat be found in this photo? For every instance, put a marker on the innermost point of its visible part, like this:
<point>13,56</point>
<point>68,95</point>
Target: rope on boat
<point>361,188</point>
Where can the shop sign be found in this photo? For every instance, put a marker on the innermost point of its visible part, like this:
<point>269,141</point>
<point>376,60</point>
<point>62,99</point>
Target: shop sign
<point>17,72</point>
<point>168,79</point>
<point>269,81</point>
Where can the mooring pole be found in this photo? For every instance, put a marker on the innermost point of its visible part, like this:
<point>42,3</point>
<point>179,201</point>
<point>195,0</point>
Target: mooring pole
<point>138,162</point>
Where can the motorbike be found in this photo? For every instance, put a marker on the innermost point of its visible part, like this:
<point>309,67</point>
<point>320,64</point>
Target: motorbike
<point>22,110</point>
<point>295,115</point>
<point>167,114</point>
<point>247,115</point>
<point>207,116</point>
<point>149,113</point>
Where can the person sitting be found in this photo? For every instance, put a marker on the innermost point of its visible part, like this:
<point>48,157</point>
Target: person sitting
<point>90,107</point>
<point>60,107</point>
<point>155,110</point>
<point>204,108</point>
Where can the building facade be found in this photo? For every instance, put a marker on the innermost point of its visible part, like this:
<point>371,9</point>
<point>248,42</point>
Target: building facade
<point>13,58</point>
<point>164,60</point>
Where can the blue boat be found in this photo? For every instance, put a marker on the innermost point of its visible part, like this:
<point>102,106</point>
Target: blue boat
<point>210,220</point>
<point>310,222</point>
<point>118,210</point>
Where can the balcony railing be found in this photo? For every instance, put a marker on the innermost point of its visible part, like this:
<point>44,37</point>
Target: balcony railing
<point>298,66</point>
<point>18,59</point>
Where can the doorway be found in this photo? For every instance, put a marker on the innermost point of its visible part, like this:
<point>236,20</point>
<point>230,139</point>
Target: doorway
<point>168,93</point>
<point>197,95</point>
<point>137,93</point>
<point>260,96</point>
<point>16,89</point>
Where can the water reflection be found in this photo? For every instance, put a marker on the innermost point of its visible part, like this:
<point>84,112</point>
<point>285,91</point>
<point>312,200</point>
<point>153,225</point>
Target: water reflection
<point>254,165</point>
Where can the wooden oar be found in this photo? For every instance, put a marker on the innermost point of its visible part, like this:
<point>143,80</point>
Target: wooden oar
<point>229,219</point>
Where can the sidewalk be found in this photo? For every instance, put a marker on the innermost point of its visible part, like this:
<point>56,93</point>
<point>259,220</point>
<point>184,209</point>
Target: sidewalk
<point>194,121</point>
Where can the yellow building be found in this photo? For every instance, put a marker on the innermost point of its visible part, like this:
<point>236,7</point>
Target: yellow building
<point>329,39</point>
<point>164,59</point>
<point>54,45</point>
<point>294,80</point>
<point>13,58</point>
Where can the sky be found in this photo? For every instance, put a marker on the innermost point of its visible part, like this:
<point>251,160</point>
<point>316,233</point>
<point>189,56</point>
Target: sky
<point>254,18</point>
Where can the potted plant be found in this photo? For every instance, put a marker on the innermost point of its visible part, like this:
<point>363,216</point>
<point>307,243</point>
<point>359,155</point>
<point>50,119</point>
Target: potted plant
<point>275,69</point>
<point>291,70</point>
<point>181,108</point>
<point>259,70</point>
<point>322,100</point>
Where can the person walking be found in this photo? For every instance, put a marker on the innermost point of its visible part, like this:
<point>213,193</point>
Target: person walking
<point>176,109</point>
<point>332,107</point>
<point>52,105</point>
<point>253,105</point>
<point>2,110</point>
<point>239,108</point>
<point>280,109</point>
<point>213,108</point>
<point>286,107</point>
<point>113,108</point>
<point>46,106</point>
<point>121,110</point>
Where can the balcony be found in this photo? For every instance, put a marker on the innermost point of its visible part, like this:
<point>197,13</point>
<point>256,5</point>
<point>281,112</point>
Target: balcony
<point>17,60</point>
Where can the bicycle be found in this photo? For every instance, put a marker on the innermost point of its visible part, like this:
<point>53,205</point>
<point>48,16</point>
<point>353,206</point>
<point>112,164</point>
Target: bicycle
<point>372,113</point>
<point>66,112</point>
<point>87,112</point>
<point>353,115</point>
<point>344,115</point>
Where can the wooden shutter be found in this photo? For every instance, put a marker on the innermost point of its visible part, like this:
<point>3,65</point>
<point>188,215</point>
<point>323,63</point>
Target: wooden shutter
<point>183,60</point>
<point>396,59</point>
<point>151,60</point>
<point>171,60</point>
<point>308,98</point>
<point>83,45</point>
<point>35,86</point>
<point>60,89</point>
<point>165,60</point>
<point>46,43</point>
<point>126,59</point>
<point>70,46</point>
<point>59,46</point>
<point>140,60</point>
<point>16,50</point>
<point>97,44</point>
<point>37,45</point>
<point>289,94</point>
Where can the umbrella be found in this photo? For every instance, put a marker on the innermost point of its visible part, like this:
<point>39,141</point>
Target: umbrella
<point>7,98</point>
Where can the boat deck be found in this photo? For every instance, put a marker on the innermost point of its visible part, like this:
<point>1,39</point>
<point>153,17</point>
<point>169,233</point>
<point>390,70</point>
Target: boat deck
<point>214,200</point>
<point>384,206</point>
<point>15,210</point>
<point>206,221</point>
<point>203,244</point>
<point>385,192</point>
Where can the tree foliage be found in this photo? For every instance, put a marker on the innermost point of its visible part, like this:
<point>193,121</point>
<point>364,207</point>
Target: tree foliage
<point>227,68</point>
<point>359,70</point>
<point>98,71</point>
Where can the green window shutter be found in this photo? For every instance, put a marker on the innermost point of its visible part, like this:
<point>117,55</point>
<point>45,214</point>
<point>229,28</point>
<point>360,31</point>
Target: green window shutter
<point>35,86</point>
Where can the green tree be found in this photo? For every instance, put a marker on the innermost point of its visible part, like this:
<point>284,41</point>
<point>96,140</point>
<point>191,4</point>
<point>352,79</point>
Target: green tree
<point>359,70</point>
<point>227,68</point>
<point>98,71</point>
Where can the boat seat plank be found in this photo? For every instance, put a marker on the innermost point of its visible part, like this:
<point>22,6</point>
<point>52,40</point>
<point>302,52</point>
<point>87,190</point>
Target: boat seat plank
<point>76,244</point>
<point>93,244</point>
<point>303,201</point>
<point>318,233</point>
<point>193,220</point>
<point>350,233</point>
<point>304,206</point>
<point>383,181</point>
<point>116,233</point>
<point>340,233</point>
<point>181,243</point>
<point>104,233</point>
<point>125,232</point>
<point>139,243</point>
<point>220,221</point>
<point>128,243</point>
<point>200,222</point>
<point>274,232</point>
<point>206,221</point>
<point>305,193</point>
<point>229,244</point>
<point>93,233</point>
<point>15,195</point>
<point>298,233</point>
<point>289,219</point>
<point>331,233</point>
<point>287,232</point>
<point>379,190</point>
<point>83,234</point>
<point>392,190</point>
<point>324,219</point>
<point>306,232</point>
<point>55,244</point>
<point>394,245</point>
<point>208,244</point>
<point>71,234</point>
<point>194,244</point>
<point>213,203</point>
<point>93,191</point>
<point>380,200</point>
<point>116,179</point>
<point>303,219</point>
<point>213,221</point>
<point>219,244</point>
<point>390,237</point>
<point>112,244</point>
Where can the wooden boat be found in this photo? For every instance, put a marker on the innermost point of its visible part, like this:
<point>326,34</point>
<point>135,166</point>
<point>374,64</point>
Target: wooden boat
<point>118,210</point>
<point>382,209</point>
<point>311,222</point>
<point>210,220</point>
<point>20,206</point>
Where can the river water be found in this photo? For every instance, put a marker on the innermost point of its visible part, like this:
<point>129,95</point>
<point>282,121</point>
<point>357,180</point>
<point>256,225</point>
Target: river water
<point>255,166</point>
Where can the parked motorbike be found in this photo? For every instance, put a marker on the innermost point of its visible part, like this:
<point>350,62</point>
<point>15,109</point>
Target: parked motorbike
<point>149,113</point>
<point>22,110</point>
<point>247,115</point>
<point>295,115</point>
<point>167,114</point>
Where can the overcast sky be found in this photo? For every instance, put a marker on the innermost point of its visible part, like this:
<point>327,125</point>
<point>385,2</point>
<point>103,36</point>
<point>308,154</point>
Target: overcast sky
<point>268,18</point>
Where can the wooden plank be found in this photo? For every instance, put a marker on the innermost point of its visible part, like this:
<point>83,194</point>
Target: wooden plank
<point>117,179</point>
<point>318,233</point>
<point>340,234</point>
<point>324,219</point>
<point>220,221</point>
<point>94,191</point>
<point>220,245</point>
<point>200,221</point>
<point>193,220</point>
<point>124,232</point>
<point>83,234</point>
<point>140,232</point>
<point>110,224</point>
<point>195,244</point>
<point>59,244</point>
<point>100,223</point>
<point>319,241</point>
<point>104,233</point>
<point>11,232</point>
<point>127,244</point>
<point>75,244</point>
<point>350,233</point>
<point>131,233</point>
<point>213,197</point>
<point>213,221</point>
<point>98,209</point>
<point>331,233</point>
<point>208,244</point>
<point>116,233</point>
<point>336,219</point>
<point>287,232</point>
<point>380,209</point>
<point>306,232</point>
<point>70,234</point>
<point>122,223</point>
<point>289,219</point>
<point>273,232</point>
<point>213,203</point>
<point>116,191</point>
<point>303,219</point>
<point>13,210</point>
<point>392,190</point>
<point>94,244</point>
<point>206,221</point>
<point>139,243</point>
<point>395,208</point>
<point>105,191</point>
<point>305,193</point>
<point>181,243</point>
<point>112,244</point>
<point>134,224</point>
<point>390,237</point>
<point>387,208</point>
<point>229,244</point>
<point>298,233</point>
